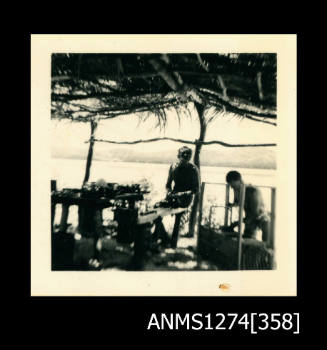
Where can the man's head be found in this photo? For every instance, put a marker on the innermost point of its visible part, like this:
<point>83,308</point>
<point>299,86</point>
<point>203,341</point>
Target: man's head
<point>234,179</point>
<point>184,154</point>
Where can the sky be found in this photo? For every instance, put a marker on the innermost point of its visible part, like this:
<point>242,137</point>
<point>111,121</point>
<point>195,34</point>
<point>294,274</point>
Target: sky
<point>226,127</point>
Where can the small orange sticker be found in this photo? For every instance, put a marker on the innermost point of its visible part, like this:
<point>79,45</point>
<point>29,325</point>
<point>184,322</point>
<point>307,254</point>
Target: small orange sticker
<point>224,286</point>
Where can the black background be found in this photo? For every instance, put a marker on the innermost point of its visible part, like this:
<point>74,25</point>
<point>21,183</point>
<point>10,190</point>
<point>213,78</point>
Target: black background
<point>91,320</point>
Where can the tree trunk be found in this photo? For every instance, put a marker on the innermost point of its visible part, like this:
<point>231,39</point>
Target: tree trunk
<point>83,213</point>
<point>90,154</point>
<point>196,159</point>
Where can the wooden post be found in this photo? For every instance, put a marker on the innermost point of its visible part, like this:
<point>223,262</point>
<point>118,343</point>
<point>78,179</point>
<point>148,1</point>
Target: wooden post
<point>272,224</point>
<point>272,218</point>
<point>196,158</point>
<point>210,215</point>
<point>200,213</point>
<point>94,125</point>
<point>53,205</point>
<point>226,205</point>
<point>53,214</point>
<point>53,185</point>
<point>240,226</point>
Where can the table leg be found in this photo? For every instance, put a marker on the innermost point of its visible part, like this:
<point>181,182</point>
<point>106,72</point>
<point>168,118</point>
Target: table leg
<point>86,220</point>
<point>64,217</point>
<point>174,237</point>
<point>141,233</point>
<point>98,234</point>
<point>98,225</point>
<point>53,214</point>
<point>160,231</point>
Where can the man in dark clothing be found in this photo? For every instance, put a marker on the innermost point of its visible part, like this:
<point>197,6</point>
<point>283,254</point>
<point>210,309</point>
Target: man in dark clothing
<point>256,216</point>
<point>185,177</point>
<point>184,174</point>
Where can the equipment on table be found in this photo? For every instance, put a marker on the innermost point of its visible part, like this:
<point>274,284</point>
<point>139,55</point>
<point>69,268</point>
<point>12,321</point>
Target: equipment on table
<point>128,216</point>
<point>91,199</point>
<point>176,200</point>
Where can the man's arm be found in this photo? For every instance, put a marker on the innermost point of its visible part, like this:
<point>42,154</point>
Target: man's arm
<point>236,200</point>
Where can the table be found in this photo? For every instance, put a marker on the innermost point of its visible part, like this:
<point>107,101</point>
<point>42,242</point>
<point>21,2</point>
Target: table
<point>158,212</point>
<point>94,207</point>
<point>129,219</point>
<point>142,228</point>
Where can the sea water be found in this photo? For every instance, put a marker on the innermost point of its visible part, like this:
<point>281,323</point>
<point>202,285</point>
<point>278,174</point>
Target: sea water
<point>69,173</point>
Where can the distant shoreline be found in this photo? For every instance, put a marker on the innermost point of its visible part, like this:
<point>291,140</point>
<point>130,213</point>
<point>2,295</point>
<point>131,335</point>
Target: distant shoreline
<point>223,165</point>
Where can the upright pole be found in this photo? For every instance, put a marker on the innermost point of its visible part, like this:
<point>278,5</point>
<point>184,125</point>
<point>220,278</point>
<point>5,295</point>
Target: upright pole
<point>272,218</point>
<point>53,205</point>
<point>82,209</point>
<point>203,126</point>
<point>272,224</point>
<point>200,213</point>
<point>240,226</point>
<point>226,205</point>
<point>94,125</point>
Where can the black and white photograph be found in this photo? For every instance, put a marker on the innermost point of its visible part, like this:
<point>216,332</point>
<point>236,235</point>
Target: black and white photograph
<point>166,166</point>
